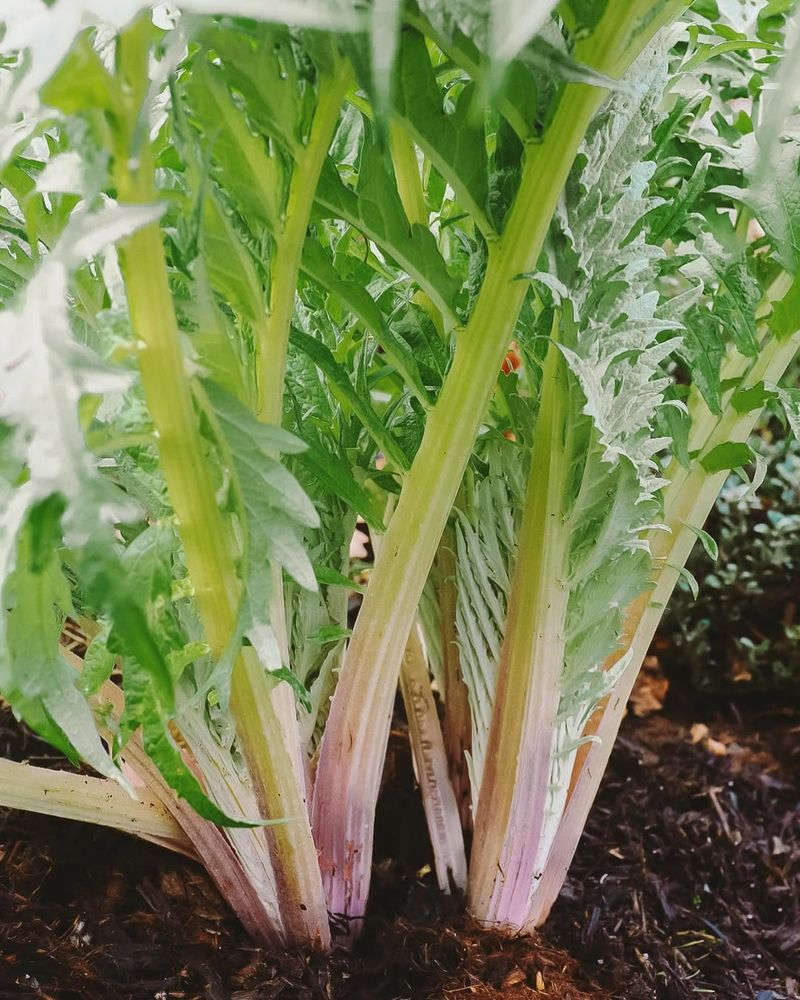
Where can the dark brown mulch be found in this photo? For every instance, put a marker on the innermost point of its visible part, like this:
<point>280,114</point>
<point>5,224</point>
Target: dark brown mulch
<point>87,913</point>
<point>687,883</point>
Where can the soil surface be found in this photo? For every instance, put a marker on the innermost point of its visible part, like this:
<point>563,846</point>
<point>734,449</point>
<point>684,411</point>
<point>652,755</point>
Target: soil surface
<point>687,880</point>
<point>686,884</point>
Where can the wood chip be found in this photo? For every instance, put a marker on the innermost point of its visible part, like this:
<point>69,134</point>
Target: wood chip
<point>515,977</point>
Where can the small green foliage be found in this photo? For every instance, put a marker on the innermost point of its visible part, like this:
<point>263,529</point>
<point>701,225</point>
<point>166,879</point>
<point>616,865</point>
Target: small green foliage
<point>375,209</point>
<point>738,635</point>
<point>272,506</point>
<point>727,456</point>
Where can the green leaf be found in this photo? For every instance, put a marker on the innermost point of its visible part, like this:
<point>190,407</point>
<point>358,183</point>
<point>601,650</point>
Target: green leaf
<point>258,62</point>
<point>789,399</point>
<point>759,475</point>
<point>702,349</point>
<point>454,142</point>
<point>342,388</point>
<point>708,543</point>
<point>585,14</point>
<point>106,587</point>
<point>238,422</point>
<point>738,296</point>
<point>375,208</point>
<point>329,633</point>
<point>773,196</point>
<point>81,83</point>
<point>318,266</point>
<point>250,176</point>
<point>147,675</point>
<point>729,455</point>
<point>543,56</point>
<point>331,578</point>
<point>669,219</point>
<point>146,562</point>
<point>677,424</point>
<point>216,341</point>
<point>42,688</point>
<point>754,397</point>
<point>334,473</point>
<point>284,674</point>
<point>691,581</point>
<point>16,268</point>
<point>229,264</point>
<point>98,662</point>
<point>785,318</point>
<point>274,506</point>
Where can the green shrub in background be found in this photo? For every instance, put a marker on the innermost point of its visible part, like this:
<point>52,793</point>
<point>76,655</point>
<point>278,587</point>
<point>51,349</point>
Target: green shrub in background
<point>743,630</point>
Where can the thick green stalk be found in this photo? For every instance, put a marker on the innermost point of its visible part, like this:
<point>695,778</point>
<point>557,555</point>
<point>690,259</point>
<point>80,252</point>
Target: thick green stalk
<point>201,526</point>
<point>211,570</point>
<point>90,800</point>
<point>354,745</point>
<point>521,799</point>
<point>407,176</point>
<point>516,780</point>
<point>430,763</point>
<point>457,724</point>
<point>273,338</point>
<point>430,759</point>
<point>180,446</point>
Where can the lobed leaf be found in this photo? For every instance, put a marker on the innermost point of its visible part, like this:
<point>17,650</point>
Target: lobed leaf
<point>375,208</point>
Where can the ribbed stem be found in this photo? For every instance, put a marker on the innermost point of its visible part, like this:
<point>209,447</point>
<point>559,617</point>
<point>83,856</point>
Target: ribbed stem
<point>516,780</point>
<point>273,337</point>
<point>90,800</point>
<point>457,715</point>
<point>212,573</point>
<point>430,762</point>
<point>354,745</point>
<point>203,532</point>
<point>272,340</point>
<point>407,176</point>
